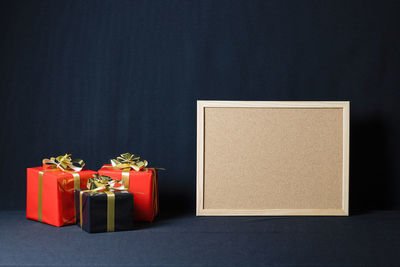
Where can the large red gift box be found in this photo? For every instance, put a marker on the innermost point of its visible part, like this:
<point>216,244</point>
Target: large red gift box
<point>144,186</point>
<point>50,194</point>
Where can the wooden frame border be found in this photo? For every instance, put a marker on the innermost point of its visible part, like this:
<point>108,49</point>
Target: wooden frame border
<point>202,104</point>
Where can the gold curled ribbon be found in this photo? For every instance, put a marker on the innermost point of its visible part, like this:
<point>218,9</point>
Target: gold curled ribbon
<point>128,161</point>
<point>103,184</point>
<point>64,163</point>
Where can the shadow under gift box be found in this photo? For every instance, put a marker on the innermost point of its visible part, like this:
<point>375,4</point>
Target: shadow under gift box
<point>50,194</point>
<point>144,185</point>
<point>94,210</point>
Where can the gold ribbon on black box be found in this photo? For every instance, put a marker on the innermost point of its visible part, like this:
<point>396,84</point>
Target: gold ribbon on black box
<point>101,184</point>
<point>62,163</point>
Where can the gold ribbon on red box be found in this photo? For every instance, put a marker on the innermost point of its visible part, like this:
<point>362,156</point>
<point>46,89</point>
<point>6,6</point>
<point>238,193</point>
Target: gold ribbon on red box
<point>127,162</point>
<point>62,163</point>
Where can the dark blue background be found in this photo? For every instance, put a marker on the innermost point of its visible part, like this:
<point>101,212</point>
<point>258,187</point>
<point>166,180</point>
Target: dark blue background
<point>99,78</point>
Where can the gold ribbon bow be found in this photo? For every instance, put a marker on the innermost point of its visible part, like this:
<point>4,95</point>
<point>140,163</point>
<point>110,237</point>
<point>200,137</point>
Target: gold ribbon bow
<point>64,163</point>
<point>128,161</point>
<point>103,184</point>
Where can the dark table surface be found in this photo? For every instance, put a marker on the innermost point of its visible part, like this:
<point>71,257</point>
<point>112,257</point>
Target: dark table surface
<point>366,239</point>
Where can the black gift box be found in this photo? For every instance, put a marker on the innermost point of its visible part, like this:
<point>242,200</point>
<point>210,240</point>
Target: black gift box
<point>95,214</point>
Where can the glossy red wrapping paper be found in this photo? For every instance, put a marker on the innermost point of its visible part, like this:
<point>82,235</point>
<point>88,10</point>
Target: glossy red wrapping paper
<point>144,186</point>
<point>57,195</point>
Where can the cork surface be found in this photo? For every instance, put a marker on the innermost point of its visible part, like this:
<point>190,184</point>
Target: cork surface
<point>273,158</point>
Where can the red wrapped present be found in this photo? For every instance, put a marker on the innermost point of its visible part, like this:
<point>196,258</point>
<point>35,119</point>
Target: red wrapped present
<point>139,180</point>
<point>50,190</point>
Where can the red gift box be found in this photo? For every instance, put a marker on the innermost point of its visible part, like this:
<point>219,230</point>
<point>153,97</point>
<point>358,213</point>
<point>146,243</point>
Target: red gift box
<point>50,194</point>
<point>144,186</point>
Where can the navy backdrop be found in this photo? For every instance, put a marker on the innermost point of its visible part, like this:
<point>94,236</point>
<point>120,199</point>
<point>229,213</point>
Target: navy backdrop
<point>98,78</point>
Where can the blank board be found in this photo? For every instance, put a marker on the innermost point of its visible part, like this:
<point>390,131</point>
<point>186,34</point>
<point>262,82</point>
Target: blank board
<point>272,158</point>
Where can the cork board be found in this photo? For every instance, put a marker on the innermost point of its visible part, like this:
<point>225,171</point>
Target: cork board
<point>272,158</point>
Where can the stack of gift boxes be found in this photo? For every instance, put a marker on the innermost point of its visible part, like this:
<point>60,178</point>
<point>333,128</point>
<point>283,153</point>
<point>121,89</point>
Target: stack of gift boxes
<point>62,192</point>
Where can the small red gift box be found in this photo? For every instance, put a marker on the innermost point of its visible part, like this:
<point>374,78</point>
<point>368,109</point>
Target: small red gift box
<point>144,186</point>
<point>50,194</point>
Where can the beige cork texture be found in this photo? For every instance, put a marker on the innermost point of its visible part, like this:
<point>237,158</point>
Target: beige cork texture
<point>271,159</point>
